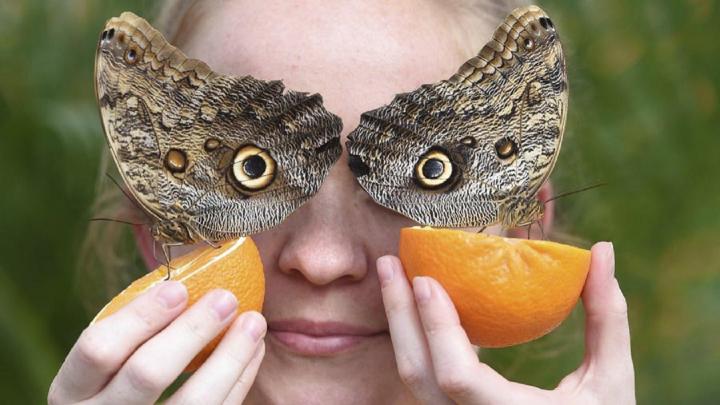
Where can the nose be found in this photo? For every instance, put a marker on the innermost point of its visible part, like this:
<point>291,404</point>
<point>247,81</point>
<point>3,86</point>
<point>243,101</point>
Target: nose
<point>326,243</point>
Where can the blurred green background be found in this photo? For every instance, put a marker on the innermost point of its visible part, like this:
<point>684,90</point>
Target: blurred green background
<point>643,117</point>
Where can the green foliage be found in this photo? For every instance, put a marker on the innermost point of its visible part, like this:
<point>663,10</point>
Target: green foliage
<point>50,143</point>
<point>643,117</point>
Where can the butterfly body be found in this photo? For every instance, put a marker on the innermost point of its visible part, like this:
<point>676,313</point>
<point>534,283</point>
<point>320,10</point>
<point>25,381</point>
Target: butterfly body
<point>473,150</point>
<point>208,157</point>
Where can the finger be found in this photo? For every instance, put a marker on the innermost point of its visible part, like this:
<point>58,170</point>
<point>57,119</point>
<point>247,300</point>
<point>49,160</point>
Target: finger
<point>458,371</point>
<point>157,363</point>
<point>411,351</point>
<point>607,336</point>
<point>212,382</point>
<point>242,385</point>
<point>104,346</point>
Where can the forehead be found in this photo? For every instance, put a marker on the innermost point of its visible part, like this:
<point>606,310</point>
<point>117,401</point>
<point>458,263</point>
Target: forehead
<point>357,55</point>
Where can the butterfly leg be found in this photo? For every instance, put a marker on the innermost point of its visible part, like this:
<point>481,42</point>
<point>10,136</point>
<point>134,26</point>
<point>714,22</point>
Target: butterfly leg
<point>166,253</point>
<point>155,251</point>
<point>212,244</point>
<point>542,230</point>
<point>481,230</point>
<point>540,225</point>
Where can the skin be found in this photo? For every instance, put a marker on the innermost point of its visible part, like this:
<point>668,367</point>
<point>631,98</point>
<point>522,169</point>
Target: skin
<point>332,259</point>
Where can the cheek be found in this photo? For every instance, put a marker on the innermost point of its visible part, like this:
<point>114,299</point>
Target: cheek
<point>269,244</point>
<point>385,230</point>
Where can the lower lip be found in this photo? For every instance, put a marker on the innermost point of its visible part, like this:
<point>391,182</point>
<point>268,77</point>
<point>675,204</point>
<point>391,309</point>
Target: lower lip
<point>310,345</point>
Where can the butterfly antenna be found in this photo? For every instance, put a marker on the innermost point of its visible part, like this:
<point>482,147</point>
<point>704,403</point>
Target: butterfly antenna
<point>565,194</point>
<point>117,220</point>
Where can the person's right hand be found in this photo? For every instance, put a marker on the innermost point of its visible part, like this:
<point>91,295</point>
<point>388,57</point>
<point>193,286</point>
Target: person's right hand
<point>132,356</point>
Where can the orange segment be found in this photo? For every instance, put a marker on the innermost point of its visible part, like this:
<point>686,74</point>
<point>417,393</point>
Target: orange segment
<point>235,266</point>
<point>506,291</point>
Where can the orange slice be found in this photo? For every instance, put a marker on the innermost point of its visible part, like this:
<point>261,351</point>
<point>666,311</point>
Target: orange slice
<point>506,291</point>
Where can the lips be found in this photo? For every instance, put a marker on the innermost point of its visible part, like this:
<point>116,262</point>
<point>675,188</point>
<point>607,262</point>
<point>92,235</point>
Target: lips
<point>309,338</point>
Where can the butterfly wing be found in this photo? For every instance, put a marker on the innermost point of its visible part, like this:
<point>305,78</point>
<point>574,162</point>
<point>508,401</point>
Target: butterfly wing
<point>212,156</point>
<point>452,153</point>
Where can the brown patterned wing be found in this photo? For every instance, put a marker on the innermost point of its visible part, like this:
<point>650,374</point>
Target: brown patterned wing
<point>210,157</point>
<point>473,150</point>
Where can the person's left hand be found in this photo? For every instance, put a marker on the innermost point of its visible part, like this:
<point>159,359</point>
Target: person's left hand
<point>439,365</point>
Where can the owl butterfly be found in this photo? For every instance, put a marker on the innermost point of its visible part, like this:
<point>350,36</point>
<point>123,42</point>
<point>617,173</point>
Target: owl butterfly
<point>208,157</point>
<point>473,150</point>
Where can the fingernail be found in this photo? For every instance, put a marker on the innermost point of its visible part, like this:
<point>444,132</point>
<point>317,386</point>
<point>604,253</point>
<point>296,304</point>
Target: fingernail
<point>223,303</point>
<point>610,256</point>
<point>171,294</point>
<point>386,270</point>
<point>253,326</point>
<point>610,251</point>
<point>421,287</point>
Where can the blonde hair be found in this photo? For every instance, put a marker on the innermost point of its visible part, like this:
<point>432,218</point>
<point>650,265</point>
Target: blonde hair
<point>109,257</point>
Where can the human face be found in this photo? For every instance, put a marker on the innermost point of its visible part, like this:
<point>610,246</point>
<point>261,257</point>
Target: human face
<point>328,340</point>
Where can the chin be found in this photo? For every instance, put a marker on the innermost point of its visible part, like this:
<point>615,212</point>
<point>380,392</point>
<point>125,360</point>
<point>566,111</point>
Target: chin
<point>364,373</point>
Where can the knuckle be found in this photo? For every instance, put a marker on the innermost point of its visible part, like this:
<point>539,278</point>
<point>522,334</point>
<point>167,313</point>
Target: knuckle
<point>616,307</point>
<point>237,358</point>
<point>442,328</point>
<point>454,383</point>
<point>395,307</point>
<point>243,357</point>
<point>94,351</point>
<point>197,327</point>
<point>146,376</point>
<point>145,318</point>
<point>411,374</point>
<point>618,304</point>
<point>433,328</point>
<point>245,380</point>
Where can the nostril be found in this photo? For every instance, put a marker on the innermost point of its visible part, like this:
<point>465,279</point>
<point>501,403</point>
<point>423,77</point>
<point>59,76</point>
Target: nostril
<point>357,166</point>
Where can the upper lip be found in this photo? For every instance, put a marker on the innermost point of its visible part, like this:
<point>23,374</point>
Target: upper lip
<point>319,329</point>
